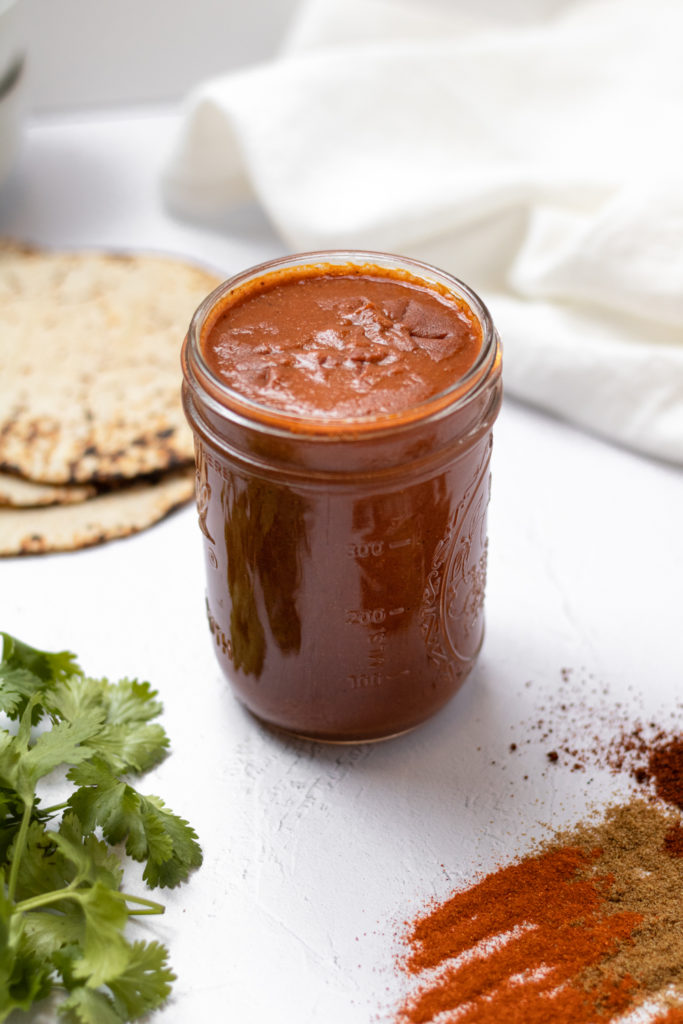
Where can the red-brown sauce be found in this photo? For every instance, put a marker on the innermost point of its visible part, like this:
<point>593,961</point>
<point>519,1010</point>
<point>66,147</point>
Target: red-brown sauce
<point>341,345</point>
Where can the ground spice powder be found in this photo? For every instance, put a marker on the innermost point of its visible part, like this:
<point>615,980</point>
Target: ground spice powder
<point>586,928</point>
<point>665,770</point>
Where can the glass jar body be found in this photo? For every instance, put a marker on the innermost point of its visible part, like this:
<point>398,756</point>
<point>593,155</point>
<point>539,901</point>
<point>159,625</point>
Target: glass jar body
<point>345,571</point>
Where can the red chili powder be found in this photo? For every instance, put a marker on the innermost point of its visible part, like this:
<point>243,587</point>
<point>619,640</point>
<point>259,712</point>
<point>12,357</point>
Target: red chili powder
<point>673,841</point>
<point>665,770</point>
<point>560,927</point>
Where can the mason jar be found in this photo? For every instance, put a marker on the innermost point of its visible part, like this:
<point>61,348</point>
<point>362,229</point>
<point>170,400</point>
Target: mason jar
<point>345,558</point>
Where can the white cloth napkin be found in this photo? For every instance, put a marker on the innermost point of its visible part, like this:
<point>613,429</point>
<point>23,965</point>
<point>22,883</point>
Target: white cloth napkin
<point>534,151</point>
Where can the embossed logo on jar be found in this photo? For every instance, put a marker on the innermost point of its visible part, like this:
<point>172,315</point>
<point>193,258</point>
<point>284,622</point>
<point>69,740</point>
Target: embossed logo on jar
<point>451,618</point>
<point>223,642</point>
<point>202,491</point>
<point>462,596</point>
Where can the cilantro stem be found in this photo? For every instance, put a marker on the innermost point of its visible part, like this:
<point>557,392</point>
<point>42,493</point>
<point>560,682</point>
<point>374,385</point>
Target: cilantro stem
<point>154,908</point>
<point>54,808</point>
<point>71,891</point>
<point>19,844</point>
<point>46,898</point>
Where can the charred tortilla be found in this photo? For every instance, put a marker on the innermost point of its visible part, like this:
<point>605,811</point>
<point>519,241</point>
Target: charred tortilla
<point>123,511</point>
<point>19,492</point>
<point>89,350</point>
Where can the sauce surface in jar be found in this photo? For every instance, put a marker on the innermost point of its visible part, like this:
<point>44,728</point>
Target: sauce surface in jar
<point>341,344</point>
<point>342,415</point>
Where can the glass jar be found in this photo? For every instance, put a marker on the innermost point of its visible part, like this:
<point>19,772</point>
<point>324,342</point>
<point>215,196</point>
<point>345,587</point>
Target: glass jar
<point>345,560</point>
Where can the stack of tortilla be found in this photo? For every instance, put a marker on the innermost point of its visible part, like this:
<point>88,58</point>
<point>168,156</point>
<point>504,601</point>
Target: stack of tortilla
<point>93,441</point>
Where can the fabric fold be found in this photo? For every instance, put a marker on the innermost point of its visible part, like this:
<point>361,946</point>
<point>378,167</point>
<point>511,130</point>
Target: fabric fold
<point>536,157</point>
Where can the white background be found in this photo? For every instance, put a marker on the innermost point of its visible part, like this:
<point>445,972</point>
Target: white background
<point>88,53</point>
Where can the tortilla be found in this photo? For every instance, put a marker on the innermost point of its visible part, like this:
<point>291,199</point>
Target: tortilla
<point>108,516</point>
<point>19,492</point>
<point>90,348</point>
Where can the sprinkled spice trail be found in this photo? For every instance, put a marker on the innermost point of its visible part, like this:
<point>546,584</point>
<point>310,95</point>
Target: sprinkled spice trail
<point>589,927</point>
<point>584,728</point>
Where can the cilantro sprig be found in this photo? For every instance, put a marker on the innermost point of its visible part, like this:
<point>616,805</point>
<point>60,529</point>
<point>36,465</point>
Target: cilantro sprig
<point>63,912</point>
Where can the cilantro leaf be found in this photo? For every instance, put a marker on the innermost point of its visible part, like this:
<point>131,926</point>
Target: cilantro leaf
<point>25,671</point>
<point>130,748</point>
<point>146,982</point>
<point>17,686</point>
<point>41,867</point>
<point>10,757</point>
<point>168,871</point>
<point>49,931</point>
<point>72,697</point>
<point>90,1006</point>
<point>24,761</point>
<point>132,701</point>
<point>24,978</point>
<point>53,860</point>
<point>105,952</point>
<point>11,808</point>
<point>103,799</point>
<point>93,860</point>
<point>126,739</point>
<point>63,744</point>
<point>151,832</point>
<point>48,666</point>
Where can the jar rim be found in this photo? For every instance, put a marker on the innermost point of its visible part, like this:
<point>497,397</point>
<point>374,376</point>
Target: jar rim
<point>268,418</point>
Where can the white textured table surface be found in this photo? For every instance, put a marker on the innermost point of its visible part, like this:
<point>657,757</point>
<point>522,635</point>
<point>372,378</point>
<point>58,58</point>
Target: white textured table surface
<point>313,855</point>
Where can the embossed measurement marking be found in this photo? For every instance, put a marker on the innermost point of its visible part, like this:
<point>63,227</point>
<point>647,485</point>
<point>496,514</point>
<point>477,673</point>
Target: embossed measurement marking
<point>365,616</point>
<point>369,616</point>
<point>367,549</point>
<point>365,680</point>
